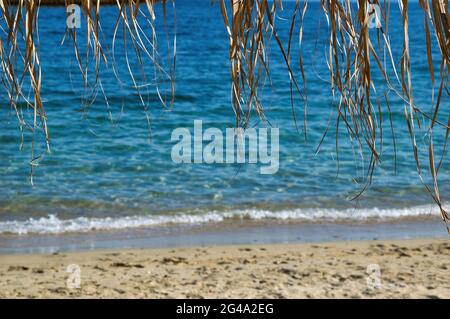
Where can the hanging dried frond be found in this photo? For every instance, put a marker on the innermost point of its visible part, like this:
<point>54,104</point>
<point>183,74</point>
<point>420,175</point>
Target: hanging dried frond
<point>130,15</point>
<point>20,65</point>
<point>353,61</point>
<point>19,55</point>
<point>250,28</point>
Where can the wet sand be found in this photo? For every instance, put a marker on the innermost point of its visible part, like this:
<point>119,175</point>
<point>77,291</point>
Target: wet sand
<point>417,268</point>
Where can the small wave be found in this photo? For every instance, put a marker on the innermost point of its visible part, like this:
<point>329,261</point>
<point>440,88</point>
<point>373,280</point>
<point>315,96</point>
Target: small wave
<point>54,225</point>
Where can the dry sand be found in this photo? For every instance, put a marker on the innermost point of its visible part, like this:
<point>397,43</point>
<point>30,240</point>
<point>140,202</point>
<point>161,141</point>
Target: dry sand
<point>409,269</point>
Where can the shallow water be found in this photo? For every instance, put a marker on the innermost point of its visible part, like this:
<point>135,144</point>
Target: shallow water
<point>104,174</point>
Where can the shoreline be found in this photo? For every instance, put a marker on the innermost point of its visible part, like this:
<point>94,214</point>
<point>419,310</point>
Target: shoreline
<point>407,269</point>
<point>231,232</point>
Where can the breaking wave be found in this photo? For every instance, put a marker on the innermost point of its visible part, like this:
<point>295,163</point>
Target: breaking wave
<point>54,225</point>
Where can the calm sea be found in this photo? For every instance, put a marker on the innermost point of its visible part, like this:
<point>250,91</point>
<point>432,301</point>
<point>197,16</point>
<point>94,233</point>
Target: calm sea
<point>110,166</point>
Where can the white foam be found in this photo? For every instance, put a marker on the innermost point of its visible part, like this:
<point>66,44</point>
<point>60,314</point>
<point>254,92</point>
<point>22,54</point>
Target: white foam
<point>54,225</point>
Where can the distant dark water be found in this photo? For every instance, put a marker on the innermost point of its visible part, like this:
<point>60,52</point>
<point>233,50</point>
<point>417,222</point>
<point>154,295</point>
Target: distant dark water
<point>102,174</point>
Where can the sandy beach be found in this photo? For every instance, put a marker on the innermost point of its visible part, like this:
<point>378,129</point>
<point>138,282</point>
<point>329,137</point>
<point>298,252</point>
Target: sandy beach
<point>417,268</point>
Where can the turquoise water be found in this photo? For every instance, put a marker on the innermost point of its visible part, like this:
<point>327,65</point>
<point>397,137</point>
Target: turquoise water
<point>105,173</point>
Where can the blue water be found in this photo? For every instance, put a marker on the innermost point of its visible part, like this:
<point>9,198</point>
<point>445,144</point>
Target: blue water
<point>110,167</point>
